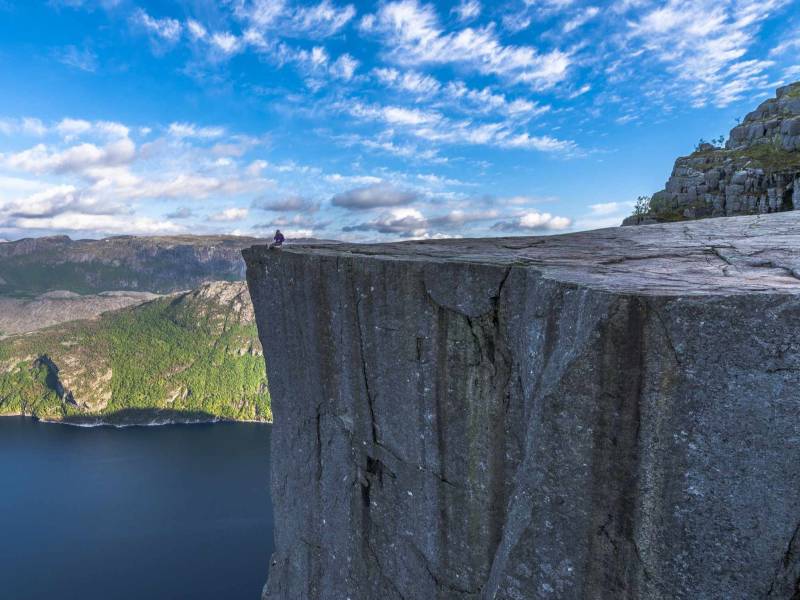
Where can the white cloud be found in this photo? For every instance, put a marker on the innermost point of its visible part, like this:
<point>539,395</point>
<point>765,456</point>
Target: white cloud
<point>196,29</point>
<point>533,221</point>
<point>70,128</point>
<point>190,130</point>
<point>583,17</point>
<point>26,126</point>
<point>704,43</point>
<point>467,10</point>
<point>605,208</point>
<point>230,214</point>
<point>408,81</point>
<point>260,13</point>
<point>40,159</point>
<point>226,42</point>
<point>415,37</point>
<point>106,224</point>
<point>344,67</point>
<point>321,20</point>
<point>317,66</point>
<point>435,127</point>
<point>315,21</point>
<point>81,59</point>
<point>404,222</point>
<point>166,30</point>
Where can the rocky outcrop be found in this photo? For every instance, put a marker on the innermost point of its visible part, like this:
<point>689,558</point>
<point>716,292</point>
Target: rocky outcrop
<point>609,414</point>
<point>191,356</point>
<point>758,170</point>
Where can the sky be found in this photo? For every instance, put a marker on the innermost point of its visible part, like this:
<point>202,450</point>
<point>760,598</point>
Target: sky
<point>366,121</point>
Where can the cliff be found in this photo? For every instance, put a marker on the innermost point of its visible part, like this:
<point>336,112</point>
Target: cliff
<point>756,172</point>
<point>192,356</point>
<point>608,414</point>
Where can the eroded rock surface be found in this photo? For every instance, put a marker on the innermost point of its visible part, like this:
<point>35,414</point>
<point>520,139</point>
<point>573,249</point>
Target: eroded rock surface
<point>756,172</point>
<point>611,414</point>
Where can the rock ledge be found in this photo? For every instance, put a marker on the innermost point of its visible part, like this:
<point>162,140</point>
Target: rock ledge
<point>609,414</point>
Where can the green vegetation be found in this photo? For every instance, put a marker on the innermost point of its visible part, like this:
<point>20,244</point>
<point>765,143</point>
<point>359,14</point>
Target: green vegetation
<point>192,355</point>
<point>642,206</point>
<point>769,156</point>
<point>794,91</point>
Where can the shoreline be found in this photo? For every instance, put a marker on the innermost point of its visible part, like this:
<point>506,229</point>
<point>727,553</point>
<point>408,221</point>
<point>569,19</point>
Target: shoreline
<point>152,423</point>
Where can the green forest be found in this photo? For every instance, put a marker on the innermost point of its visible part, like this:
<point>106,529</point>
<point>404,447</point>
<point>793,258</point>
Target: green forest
<point>183,357</point>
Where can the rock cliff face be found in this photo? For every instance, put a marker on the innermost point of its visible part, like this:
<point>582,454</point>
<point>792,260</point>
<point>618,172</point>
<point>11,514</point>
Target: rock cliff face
<point>758,170</point>
<point>612,414</point>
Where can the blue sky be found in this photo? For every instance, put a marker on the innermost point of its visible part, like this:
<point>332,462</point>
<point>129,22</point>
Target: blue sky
<point>366,121</point>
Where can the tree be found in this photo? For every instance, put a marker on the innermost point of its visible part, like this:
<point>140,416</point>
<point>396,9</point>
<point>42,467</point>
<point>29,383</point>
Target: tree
<point>642,206</point>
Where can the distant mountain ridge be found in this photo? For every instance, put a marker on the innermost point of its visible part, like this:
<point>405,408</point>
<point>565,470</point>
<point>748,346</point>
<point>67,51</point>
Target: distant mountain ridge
<point>32,266</point>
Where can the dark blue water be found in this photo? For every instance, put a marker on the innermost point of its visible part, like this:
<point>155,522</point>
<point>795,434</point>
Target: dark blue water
<point>139,513</point>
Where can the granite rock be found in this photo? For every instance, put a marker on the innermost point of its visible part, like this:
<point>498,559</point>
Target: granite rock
<point>610,414</point>
<point>756,172</point>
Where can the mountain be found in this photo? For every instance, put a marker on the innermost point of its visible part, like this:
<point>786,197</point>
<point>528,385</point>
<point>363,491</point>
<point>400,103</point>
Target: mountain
<point>23,315</point>
<point>757,171</point>
<point>33,266</point>
<point>182,357</point>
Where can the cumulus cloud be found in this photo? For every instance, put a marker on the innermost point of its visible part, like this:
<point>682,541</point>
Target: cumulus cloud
<point>54,201</point>
<point>406,222</point>
<point>374,196</point>
<point>411,222</point>
<point>226,43</point>
<point>79,158</point>
<point>94,224</point>
<point>533,221</point>
<point>229,214</point>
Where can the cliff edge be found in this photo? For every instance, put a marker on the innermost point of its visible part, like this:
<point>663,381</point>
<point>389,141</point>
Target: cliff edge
<point>609,414</point>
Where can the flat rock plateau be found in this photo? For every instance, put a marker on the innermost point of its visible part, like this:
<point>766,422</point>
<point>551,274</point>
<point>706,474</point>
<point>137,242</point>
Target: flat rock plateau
<point>21,315</point>
<point>609,414</point>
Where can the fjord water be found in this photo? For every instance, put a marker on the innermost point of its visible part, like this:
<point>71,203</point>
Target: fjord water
<point>144,512</point>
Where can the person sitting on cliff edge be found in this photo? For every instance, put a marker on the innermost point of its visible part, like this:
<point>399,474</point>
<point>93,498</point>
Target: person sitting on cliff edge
<point>277,240</point>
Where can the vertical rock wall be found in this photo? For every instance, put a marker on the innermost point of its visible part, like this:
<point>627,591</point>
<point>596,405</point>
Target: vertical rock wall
<point>459,430</point>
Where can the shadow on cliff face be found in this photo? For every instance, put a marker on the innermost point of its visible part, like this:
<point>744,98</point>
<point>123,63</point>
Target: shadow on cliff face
<point>144,416</point>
